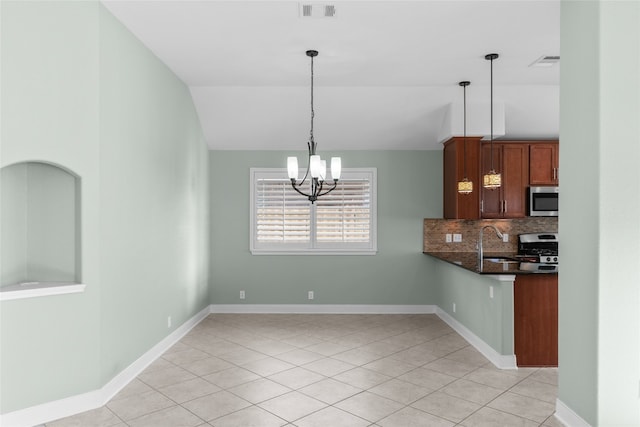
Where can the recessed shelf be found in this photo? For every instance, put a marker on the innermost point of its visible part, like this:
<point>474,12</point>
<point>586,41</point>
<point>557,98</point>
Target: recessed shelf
<point>39,289</point>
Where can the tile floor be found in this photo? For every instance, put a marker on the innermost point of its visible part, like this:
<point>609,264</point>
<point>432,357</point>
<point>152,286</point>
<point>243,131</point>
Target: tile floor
<point>316,370</point>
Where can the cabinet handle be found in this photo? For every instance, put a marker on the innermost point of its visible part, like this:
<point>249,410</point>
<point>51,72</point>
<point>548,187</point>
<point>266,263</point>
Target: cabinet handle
<point>555,173</point>
<point>505,206</point>
<point>481,205</point>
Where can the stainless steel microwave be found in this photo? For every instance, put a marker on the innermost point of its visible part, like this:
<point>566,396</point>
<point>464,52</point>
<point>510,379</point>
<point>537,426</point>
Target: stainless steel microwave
<point>543,201</point>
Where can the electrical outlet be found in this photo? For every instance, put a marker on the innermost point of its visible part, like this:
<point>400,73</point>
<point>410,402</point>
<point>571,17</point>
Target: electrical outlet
<point>169,322</point>
<point>490,291</point>
<point>447,237</point>
<point>454,307</point>
<point>242,294</point>
<point>457,238</point>
<point>310,295</point>
<point>505,237</point>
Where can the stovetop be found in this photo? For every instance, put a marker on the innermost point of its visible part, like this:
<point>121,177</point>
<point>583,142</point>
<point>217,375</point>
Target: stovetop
<point>538,247</point>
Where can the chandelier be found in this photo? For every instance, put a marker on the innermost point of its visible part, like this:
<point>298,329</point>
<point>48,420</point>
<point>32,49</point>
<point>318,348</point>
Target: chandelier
<point>493,179</point>
<point>316,167</point>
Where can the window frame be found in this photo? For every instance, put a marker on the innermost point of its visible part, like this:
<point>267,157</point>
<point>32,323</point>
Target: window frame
<point>313,247</point>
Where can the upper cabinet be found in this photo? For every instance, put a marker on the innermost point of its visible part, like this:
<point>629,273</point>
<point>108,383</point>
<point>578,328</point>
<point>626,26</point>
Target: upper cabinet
<point>543,163</point>
<point>457,156</point>
<point>512,161</point>
<point>521,163</point>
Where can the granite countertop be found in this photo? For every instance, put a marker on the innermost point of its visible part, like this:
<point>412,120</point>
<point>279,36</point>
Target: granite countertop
<point>469,261</point>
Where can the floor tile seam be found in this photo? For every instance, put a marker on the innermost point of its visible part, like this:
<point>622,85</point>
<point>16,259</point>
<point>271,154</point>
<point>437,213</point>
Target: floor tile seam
<point>402,403</point>
<point>426,412</point>
<point>297,419</point>
<point>532,397</point>
<point>127,422</point>
<point>334,403</point>
<point>289,390</point>
<point>190,400</point>
<point>348,412</point>
<point>466,377</point>
<point>247,407</point>
<point>517,415</point>
<point>505,412</point>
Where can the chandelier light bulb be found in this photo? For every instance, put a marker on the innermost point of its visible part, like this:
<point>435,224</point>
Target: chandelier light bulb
<point>314,166</point>
<point>336,168</point>
<point>292,167</point>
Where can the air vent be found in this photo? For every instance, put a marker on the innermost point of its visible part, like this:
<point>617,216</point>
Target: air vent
<point>317,10</point>
<point>545,61</point>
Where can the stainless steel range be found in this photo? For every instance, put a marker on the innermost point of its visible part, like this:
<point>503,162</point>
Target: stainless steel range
<point>538,252</point>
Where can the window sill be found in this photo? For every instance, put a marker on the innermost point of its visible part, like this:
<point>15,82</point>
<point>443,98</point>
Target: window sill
<point>39,289</point>
<point>314,252</point>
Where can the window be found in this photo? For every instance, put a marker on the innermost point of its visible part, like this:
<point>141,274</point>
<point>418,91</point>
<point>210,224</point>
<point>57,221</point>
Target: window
<point>342,222</point>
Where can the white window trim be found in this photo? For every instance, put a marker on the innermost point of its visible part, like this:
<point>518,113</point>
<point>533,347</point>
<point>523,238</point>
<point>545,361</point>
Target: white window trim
<point>369,248</point>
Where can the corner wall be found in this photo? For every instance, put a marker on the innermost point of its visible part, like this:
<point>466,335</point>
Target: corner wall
<point>80,91</point>
<point>599,297</point>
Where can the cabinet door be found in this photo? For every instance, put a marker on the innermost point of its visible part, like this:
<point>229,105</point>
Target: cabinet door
<point>455,205</point>
<point>535,319</point>
<point>491,203</point>
<point>515,173</point>
<point>543,163</point>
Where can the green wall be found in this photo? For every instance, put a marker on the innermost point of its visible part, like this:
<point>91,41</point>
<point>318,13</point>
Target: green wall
<point>599,296</point>
<point>490,319</point>
<point>49,347</point>
<point>409,189</point>
<point>81,92</point>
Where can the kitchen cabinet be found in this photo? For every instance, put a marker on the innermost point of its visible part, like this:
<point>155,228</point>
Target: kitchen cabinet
<point>535,319</point>
<point>456,205</point>
<point>543,163</point>
<point>511,159</point>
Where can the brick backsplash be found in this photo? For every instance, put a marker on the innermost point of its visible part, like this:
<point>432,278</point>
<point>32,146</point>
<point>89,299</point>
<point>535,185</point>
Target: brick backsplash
<point>436,229</point>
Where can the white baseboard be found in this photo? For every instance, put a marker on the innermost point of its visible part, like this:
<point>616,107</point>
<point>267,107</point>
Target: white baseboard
<point>54,410</point>
<point>499,360</point>
<point>323,308</point>
<point>566,416</point>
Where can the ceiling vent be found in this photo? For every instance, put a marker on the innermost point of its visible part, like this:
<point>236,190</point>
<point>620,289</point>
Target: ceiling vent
<point>317,10</point>
<point>545,61</point>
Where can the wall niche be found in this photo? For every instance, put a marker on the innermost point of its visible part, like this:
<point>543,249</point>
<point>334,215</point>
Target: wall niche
<point>40,227</point>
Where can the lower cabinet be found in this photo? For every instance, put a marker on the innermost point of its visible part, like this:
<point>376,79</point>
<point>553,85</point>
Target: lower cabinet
<point>535,309</point>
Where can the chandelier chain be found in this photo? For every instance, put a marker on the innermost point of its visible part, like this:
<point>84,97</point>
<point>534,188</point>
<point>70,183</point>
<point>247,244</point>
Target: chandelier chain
<point>312,110</point>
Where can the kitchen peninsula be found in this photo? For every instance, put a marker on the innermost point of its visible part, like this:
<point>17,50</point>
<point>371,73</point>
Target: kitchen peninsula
<point>509,311</point>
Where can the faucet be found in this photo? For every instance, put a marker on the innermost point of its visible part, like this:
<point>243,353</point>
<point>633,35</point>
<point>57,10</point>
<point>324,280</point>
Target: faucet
<point>498,232</point>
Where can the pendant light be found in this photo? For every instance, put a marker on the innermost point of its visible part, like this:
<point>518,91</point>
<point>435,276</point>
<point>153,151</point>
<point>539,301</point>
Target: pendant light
<point>493,179</point>
<point>465,186</point>
<point>316,167</point>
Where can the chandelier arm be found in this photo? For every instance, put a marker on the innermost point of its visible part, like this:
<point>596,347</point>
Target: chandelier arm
<point>308,166</point>
<point>318,188</point>
<point>295,187</point>
<point>335,184</point>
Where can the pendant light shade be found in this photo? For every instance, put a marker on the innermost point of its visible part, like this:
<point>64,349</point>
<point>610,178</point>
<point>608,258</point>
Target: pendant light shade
<point>465,186</point>
<point>493,179</point>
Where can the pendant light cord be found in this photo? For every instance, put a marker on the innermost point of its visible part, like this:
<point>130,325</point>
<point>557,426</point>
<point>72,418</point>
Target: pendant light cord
<point>312,111</point>
<point>464,141</point>
<point>491,113</point>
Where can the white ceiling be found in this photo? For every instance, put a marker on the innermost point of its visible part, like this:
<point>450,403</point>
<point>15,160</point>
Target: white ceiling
<point>385,77</point>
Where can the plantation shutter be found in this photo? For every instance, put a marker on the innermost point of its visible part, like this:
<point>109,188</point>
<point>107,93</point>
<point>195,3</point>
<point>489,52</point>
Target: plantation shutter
<point>344,215</point>
<point>282,215</point>
<point>340,222</point>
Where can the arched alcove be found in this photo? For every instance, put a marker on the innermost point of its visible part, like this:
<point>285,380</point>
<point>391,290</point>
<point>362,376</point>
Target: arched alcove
<point>40,224</point>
